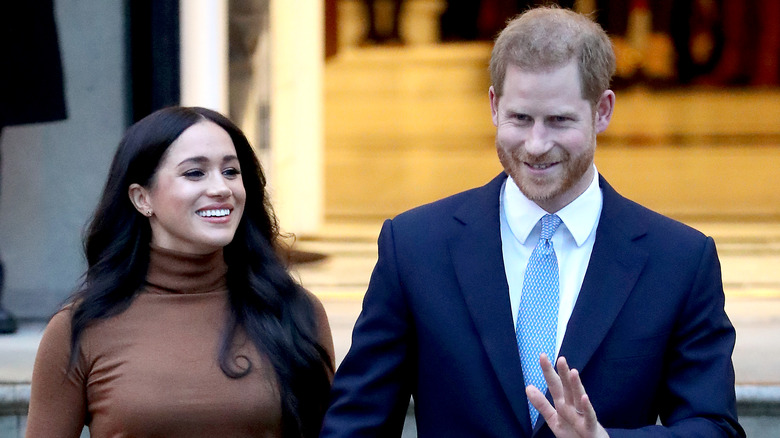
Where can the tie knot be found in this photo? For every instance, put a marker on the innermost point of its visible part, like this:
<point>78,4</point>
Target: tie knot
<point>550,223</point>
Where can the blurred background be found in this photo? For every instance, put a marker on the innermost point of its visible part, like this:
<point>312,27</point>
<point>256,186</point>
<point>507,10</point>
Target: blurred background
<point>696,125</point>
<point>362,109</point>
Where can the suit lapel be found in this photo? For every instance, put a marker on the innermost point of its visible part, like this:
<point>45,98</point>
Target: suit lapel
<point>479,265</point>
<point>615,265</point>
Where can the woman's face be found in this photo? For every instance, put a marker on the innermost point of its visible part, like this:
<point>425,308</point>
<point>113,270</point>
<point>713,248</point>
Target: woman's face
<point>197,196</point>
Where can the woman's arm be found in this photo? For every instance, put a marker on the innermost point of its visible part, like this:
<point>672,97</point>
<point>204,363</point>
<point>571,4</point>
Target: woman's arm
<point>58,396</point>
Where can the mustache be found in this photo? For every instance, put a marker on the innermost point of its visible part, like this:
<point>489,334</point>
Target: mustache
<point>551,156</point>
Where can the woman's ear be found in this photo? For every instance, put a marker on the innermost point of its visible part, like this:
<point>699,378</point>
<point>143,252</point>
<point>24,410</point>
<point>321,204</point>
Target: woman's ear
<point>140,198</point>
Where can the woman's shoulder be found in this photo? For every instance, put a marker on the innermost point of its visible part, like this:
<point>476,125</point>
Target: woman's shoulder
<point>60,322</point>
<point>313,298</point>
<point>55,343</point>
<point>318,309</point>
<point>324,335</point>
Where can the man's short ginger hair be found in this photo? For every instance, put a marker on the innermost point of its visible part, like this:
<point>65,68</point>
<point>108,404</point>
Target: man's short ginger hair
<point>546,38</point>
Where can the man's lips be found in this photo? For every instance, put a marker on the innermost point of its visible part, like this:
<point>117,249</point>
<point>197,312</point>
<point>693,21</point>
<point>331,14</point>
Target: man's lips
<point>540,166</point>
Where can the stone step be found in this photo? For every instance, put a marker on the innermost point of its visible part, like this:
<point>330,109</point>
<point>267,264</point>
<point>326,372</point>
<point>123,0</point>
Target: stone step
<point>759,408</point>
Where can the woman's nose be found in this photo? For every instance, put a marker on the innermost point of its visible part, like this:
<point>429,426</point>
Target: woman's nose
<point>218,187</point>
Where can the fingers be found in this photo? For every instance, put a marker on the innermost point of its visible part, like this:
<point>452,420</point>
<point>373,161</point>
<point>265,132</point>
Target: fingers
<point>575,397</point>
<point>540,402</point>
<point>583,406</point>
<point>572,413</point>
<point>550,376</point>
<point>591,421</point>
<point>575,390</point>
<point>565,374</point>
<point>537,398</point>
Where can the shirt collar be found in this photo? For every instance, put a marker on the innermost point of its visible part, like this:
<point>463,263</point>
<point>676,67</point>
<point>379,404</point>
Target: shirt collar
<point>579,216</point>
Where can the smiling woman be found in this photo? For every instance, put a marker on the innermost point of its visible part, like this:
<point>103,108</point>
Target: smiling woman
<point>186,324</point>
<point>197,196</point>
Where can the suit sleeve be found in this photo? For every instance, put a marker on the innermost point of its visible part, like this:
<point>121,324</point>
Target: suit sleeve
<point>57,395</point>
<point>697,398</point>
<point>372,385</point>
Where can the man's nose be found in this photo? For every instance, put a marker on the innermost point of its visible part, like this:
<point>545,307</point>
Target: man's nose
<point>538,141</point>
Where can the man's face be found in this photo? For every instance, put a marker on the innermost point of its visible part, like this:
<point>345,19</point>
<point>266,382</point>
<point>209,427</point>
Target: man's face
<point>546,133</point>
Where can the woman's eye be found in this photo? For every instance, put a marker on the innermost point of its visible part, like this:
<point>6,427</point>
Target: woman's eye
<point>231,172</point>
<point>193,174</point>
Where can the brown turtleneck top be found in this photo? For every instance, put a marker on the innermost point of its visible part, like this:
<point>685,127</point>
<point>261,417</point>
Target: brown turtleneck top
<point>152,370</point>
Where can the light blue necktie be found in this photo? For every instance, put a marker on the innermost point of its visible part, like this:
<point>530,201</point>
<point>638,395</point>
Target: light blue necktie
<point>537,319</point>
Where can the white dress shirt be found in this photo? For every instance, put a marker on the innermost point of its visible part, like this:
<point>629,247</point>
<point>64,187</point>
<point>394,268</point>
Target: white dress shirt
<point>572,241</point>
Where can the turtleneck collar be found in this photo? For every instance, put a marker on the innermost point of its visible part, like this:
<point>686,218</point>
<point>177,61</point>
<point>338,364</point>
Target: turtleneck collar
<point>182,273</point>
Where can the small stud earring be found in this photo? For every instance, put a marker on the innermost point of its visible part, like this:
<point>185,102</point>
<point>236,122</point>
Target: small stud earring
<point>149,213</point>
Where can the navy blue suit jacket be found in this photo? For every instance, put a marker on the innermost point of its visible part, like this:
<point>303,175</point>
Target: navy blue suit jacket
<point>648,332</point>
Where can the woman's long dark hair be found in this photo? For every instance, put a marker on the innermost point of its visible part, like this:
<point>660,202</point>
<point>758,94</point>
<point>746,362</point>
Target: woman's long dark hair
<point>265,301</point>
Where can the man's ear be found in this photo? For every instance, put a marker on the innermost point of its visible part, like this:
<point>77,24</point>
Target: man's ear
<point>493,104</point>
<point>604,108</point>
<point>140,198</point>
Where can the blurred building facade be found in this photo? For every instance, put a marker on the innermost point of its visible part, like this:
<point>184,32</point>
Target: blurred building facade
<point>681,151</point>
<point>123,59</point>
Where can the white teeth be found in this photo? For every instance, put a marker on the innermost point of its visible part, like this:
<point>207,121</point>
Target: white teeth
<point>540,166</point>
<point>214,213</point>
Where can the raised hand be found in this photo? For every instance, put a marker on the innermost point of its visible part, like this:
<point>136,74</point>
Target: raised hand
<point>572,416</point>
